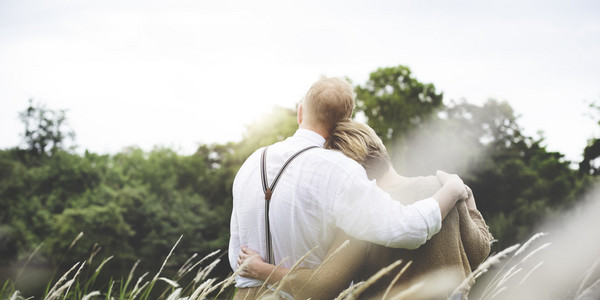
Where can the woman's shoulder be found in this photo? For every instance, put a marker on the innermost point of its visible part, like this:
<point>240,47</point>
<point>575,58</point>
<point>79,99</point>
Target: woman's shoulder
<point>415,188</point>
<point>426,180</point>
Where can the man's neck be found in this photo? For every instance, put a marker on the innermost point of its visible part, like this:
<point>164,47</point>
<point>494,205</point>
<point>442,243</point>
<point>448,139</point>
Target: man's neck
<point>322,132</point>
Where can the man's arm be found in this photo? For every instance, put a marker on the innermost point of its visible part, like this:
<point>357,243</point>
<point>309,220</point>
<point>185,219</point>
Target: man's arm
<point>366,212</point>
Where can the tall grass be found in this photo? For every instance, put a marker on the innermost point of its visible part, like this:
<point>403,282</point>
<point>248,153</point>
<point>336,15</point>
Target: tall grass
<point>508,274</point>
<point>71,285</point>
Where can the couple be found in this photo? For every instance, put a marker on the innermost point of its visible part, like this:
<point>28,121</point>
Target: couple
<point>325,197</point>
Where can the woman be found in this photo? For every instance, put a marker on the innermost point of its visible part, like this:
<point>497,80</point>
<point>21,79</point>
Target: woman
<point>460,246</point>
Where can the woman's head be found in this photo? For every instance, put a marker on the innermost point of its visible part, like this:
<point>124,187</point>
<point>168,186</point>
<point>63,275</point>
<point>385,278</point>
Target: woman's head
<point>360,142</point>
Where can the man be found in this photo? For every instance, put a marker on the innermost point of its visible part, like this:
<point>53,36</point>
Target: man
<point>322,190</point>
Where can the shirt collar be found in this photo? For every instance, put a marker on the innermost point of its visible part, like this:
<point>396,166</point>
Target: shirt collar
<point>310,135</point>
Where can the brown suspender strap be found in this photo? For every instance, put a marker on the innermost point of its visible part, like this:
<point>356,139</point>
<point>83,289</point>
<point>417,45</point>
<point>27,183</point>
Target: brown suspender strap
<point>268,190</point>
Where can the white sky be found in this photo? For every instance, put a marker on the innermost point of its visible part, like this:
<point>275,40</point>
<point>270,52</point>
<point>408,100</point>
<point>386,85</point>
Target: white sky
<point>180,73</point>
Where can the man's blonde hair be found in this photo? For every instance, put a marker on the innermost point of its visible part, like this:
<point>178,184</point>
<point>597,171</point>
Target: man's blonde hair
<point>329,100</point>
<point>359,142</point>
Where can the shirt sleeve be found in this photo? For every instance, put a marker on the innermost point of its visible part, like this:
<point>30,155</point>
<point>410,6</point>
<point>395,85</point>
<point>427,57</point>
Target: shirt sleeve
<point>366,212</point>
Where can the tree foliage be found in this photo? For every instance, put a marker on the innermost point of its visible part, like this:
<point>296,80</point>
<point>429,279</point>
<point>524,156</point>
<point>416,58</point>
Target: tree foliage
<point>395,103</point>
<point>46,130</point>
<point>590,164</point>
<point>518,182</point>
<point>133,204</point>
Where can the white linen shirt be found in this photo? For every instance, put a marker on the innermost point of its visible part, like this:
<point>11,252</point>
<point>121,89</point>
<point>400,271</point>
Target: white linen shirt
<point>321,190</point>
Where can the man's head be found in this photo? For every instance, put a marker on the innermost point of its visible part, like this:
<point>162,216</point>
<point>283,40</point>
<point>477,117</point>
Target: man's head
<point>360,142</point>
<point>327,101</point>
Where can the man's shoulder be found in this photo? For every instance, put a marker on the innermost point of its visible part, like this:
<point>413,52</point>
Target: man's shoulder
<point>332,158</point>
<point>328,154</point>
<point>317,156</point>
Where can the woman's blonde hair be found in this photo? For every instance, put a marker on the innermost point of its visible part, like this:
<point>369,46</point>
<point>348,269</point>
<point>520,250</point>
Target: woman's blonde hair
<point>359,142</point>
<point>329,100</point>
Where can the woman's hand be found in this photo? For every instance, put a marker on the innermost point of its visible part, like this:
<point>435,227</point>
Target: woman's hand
<point>251,263</point>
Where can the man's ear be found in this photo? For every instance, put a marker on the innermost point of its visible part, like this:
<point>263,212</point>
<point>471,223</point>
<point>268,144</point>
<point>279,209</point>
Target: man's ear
<point>299,115</point>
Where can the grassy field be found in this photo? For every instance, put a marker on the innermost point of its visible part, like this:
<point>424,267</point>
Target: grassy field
<point>505,275</point>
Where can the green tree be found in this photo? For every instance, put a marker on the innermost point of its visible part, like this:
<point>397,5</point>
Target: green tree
<point>34,189</point>
<point>103,225</point>
<point>590,164</point>
<point>45,130</point>
<point>395,103</point>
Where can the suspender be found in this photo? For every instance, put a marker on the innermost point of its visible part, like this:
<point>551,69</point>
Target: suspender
<point>268,190</point>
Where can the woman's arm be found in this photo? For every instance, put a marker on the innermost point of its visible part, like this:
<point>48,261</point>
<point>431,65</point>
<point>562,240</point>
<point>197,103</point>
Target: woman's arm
<point>325,282</point>
<point>257,268</point>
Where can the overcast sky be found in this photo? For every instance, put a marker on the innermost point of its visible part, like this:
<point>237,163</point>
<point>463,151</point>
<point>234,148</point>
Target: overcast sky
<point>180,73</point>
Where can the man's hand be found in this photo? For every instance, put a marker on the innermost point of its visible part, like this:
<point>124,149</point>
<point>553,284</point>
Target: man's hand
<point>453,189</point>
<point>454,184</point>
<point>470,199</point>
